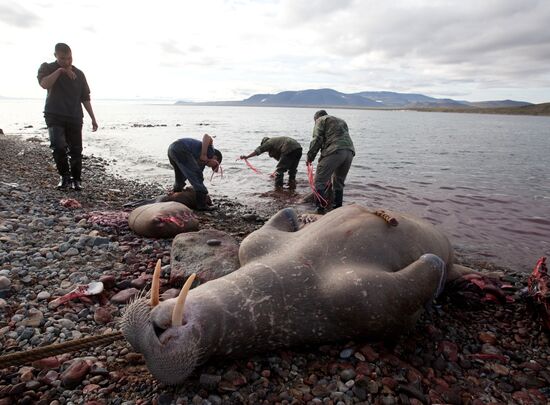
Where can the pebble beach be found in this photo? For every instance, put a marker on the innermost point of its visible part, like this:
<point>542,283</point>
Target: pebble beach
<point>464,351</point>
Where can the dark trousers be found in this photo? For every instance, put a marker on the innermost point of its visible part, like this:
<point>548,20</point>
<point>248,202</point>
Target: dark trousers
<point>186,168</point>
<point>288,161</point>
<point>66,145</point>
<point>333,169</point>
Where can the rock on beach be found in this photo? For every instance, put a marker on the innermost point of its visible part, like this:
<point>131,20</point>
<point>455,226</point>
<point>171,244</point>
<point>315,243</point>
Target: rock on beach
<point>463,352</point>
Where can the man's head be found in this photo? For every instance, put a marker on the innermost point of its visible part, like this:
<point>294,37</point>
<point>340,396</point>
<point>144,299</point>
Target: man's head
<point>319,113</point>
<point>214,163</point>
<point>63,55</point>
<point>264,140</point>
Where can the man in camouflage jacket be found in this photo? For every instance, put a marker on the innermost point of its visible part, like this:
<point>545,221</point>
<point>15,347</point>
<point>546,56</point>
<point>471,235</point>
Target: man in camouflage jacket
<point>331,136</point>
<point>284,149</point>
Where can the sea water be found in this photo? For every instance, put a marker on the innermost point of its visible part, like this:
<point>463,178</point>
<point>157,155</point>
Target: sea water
<point>483,179</point>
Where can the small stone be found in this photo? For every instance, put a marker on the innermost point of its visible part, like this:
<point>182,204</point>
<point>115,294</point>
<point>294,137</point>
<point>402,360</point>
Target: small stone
<point>75,374</point>
<point>347,374</point>
<point>103,315</point>
<point>487,337</point>
<point>5,283</point>
<point>109,281</point>
<point>346,353</point>
<point>34,318</point>
<point>43,295</point>
<point>213,242</point>
<point>210,381</point>
<point>124,296</point>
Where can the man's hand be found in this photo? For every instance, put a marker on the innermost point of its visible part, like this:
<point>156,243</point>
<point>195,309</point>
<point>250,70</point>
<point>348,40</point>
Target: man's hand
<point>69,72</point>
<point>94,125</point>
<point>242,157</point>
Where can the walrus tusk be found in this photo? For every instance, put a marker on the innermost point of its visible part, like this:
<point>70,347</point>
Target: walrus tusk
<point>155,285</point>
<point>177,314</point>
<point>386,217</point>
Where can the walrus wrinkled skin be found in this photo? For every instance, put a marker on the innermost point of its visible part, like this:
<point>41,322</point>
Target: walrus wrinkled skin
<point>347,275</point>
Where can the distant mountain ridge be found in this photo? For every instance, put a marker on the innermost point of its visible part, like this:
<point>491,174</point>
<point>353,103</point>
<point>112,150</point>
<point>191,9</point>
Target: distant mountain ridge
<point>364,99</point>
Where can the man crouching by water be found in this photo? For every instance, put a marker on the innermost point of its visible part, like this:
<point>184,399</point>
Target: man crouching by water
<point>189,157</point>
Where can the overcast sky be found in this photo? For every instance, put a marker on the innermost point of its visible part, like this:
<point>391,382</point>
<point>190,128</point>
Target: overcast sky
<point>229,50</point>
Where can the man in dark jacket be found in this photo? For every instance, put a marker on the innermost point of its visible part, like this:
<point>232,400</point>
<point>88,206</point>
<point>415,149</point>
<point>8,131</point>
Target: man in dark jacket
<point>67,91</point>
<point>331,136</point>
<point>189,157</point>
<point>284,149</point>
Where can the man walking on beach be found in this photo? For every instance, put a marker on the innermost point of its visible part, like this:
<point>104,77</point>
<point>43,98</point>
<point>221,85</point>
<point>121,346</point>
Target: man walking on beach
<point>189,157</point>
<point>67,91</point>
<point>331,136</point>
<point>287,151</point>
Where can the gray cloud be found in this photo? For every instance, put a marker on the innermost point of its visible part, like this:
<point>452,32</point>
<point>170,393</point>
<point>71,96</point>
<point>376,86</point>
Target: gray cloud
<point>493,41</point>
<point>300,11</point>
<point>17,16</point>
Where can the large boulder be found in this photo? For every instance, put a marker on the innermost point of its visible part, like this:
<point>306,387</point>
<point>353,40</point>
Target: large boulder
<point>162,220</point>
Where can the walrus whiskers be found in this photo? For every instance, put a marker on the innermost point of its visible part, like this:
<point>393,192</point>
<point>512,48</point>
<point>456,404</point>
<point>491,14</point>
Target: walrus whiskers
<point>155,285</point>
<point>177,314</point>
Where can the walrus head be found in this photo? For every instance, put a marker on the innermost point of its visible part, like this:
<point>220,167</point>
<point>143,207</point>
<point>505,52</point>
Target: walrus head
<point>161,331</point>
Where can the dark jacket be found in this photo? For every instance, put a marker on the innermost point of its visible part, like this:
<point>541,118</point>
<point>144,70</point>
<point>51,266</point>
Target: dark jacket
<point>65,97</point>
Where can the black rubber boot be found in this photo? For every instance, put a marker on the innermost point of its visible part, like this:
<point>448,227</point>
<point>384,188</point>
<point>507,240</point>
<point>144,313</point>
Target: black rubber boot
<point>321,202</point>
<point>64,182</point>
<point>338,199</point>
<point>279,179</point>
<point>201,202</point>
<point>291,180</point>
<point>61,162</point>
<point>176,188</point>
<point>76,168</point>
<point>76,185</point>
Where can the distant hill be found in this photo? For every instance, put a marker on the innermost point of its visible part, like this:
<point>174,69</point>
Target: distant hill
<point>531,109</point>
<point>365,99</point>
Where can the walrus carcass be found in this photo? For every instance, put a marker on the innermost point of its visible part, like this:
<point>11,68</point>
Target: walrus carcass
<point>347,275</point>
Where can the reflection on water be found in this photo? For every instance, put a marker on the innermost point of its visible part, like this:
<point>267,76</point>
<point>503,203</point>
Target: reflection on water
<point>483,179</point>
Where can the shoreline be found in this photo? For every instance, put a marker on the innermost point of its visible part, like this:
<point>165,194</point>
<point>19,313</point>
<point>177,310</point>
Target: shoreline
<point>47,248</point>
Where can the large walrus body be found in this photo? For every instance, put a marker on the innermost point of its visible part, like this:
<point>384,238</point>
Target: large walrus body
<point>347,275</point>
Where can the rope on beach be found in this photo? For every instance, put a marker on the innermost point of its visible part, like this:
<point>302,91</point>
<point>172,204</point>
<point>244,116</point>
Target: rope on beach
<point>28,356</point>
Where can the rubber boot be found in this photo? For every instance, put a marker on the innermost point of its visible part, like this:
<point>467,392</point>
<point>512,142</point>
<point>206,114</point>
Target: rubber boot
<point>320,202</point>
<point>201,202</point>
<point>176,188</point>
<point>61,162</point>
<point>76,170</point>
<point>62,165</point>
<point>338,199</point>
<point>64,182</point>
<point>279,179</point>
<point>292,180</point>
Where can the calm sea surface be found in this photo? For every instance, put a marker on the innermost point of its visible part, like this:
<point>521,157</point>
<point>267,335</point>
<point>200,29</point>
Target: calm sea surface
<point>483,179</point>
